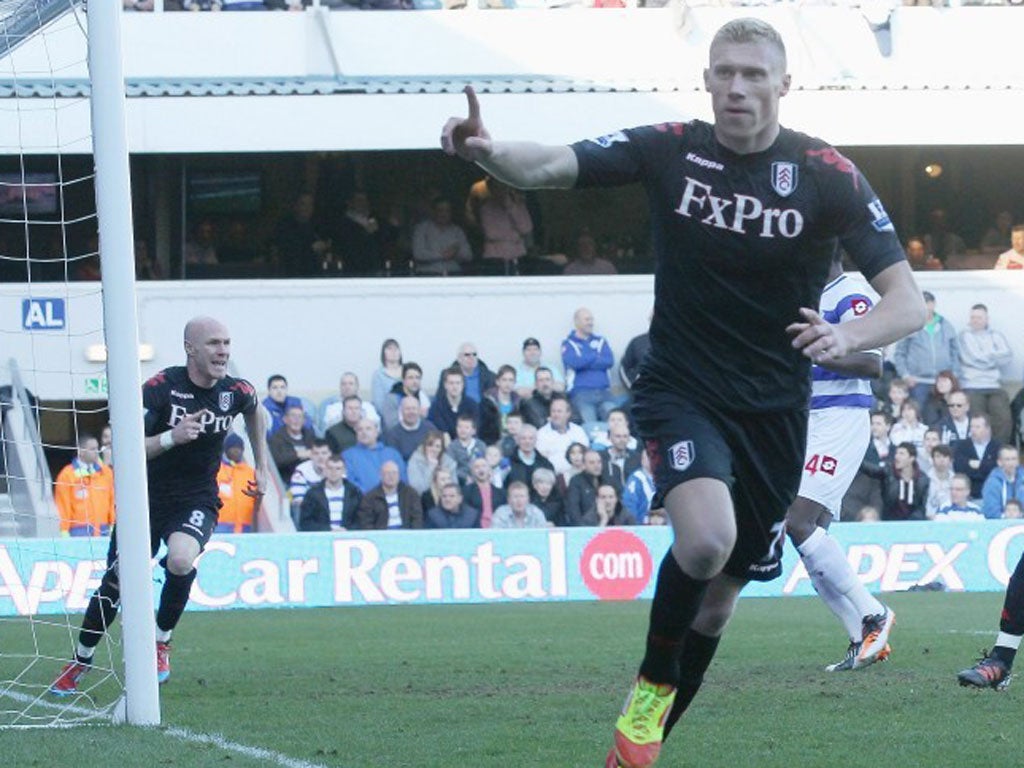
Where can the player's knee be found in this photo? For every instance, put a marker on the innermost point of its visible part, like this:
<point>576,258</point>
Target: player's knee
<point>704,556</point>
<point>179,564</point>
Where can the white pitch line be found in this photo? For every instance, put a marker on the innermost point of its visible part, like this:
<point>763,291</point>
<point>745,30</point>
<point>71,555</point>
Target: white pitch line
<point>256,753</point>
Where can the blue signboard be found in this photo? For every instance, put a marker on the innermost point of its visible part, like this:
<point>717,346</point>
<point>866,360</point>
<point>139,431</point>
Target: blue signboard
<point>39,314</point>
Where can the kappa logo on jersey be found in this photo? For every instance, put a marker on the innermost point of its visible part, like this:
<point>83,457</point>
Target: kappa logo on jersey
<point>736,212</point>
<point>703,162</point>
<point>611,138</point>
<point>225,401</point>
<point>859,307</point>
<point>681,455</point>
<point>879,218</point>
<point>784,176</point>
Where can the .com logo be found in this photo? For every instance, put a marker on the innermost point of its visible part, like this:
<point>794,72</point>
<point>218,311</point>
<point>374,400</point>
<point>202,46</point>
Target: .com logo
<point>615,565</point>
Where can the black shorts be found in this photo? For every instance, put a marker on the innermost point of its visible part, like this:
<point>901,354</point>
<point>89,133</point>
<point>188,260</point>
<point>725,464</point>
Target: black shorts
<point>196,518</point>
<point>758,455</point>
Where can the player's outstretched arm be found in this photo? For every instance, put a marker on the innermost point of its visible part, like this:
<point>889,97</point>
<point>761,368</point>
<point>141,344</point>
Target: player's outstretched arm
<point>256,429</point>
<point>521,164</point>
<point>899,311</point>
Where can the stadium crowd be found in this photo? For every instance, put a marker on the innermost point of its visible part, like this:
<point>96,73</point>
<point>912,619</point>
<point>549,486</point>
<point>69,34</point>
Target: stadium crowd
<point>549,442</point>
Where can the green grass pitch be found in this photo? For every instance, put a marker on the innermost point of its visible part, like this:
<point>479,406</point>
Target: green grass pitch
<point>540,685</point>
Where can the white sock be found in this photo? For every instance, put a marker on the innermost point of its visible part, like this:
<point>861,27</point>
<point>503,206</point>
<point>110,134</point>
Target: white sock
<point>835,581</point>
<point>163,635</point>
<point>1008,641</point>
<point>85,652</point>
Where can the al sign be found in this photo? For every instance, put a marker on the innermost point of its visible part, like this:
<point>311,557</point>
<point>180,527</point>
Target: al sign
<point>43,314</point>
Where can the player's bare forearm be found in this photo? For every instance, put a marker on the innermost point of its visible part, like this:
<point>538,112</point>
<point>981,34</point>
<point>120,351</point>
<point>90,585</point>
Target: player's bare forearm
<point>863,365</point>
<point>899,312</point>
<point>528,165</point>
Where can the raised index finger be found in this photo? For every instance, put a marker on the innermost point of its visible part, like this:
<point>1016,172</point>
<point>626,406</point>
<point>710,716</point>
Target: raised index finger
<point>474,104</point>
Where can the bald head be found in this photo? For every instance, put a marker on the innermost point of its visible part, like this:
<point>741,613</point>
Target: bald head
<point>207,350</point>
<point>583,320</point>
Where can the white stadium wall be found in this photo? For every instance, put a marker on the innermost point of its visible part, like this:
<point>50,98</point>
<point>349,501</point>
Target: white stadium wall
<point>313,330</point>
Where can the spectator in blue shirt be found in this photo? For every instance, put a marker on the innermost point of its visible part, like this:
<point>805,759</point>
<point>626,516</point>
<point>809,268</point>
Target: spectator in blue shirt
<point>278,401</point>
<point>365,459</point>
<point>1004,483</point>
<point>587,358</point>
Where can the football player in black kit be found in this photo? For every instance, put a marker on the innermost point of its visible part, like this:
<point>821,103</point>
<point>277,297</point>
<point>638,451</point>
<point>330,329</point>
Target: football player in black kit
<point>745,217</point>
<point>188,411</point>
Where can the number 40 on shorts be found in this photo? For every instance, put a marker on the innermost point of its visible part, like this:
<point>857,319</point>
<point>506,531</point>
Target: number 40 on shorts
<point>820,462</point>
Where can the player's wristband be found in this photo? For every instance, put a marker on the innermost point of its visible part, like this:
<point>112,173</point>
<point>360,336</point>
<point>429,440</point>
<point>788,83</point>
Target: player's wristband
<point>166,440</point>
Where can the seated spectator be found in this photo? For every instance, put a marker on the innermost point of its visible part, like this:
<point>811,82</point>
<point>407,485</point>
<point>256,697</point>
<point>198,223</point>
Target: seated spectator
<point>977,456</point>
<point>983,354</point>
<point>587,262</point>
<point>1005,482</point>
<point>936,406</point>
<point>555,437</point>
<point>481,493</point>
<point>505,223</point>
<point>526,460</point>
<point>388,375</point>
<point>333,503</point>
<point>600,441</point>
<point>638,492</point>
<point>201,248</point>
<point>905,487</point>
<point>291,444</point>
<point>358,239</point>
<point>452,511</point>
<point>957,425</point>
<point>348,386</point>
<point>439,246</point>
<point>1014,257</point>
<point>513,423</point>
<point>898,394</point>
<point>536,407</point>
<point>960,507</point>
<point>544,495</point>
<point>365,459</point>
<point>431,497</point>
<point>581,498</point>
<point>519,512</point>
<point>477,377</point>
<point>451,402</point>
<point>526,372</point>
<point>924,455</point>
<point>618,461</point>
<point>574,458</point>
<point>391,504</point>
<point>308,473</point>
<point>426,459</point>
<point>408,434</point>
<point>866,488</point>
<point>298,247</point>
<point>920,356</point>
<point>342,434</point>
<point>1014,510</point>
<point>587,358</point>
<point>84,492</point>
<point>909,428</point>
<point>939,478</point>
<point>498,402</point>
<point>278,401</point>
<point>940,241</point>
<point>919,258</point>
<point>608,510</point>
<point>411,385</point>
<point>498,463</point>
<point>999,235</point>
<point>465,447</point>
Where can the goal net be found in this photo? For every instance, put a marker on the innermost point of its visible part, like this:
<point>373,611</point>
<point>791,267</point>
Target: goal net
<point>56,474</point>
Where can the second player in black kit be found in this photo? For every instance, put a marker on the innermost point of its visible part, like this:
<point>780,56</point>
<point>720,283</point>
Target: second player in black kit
<point>742,241</point>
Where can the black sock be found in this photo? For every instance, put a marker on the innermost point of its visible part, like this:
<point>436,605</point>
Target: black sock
<point>677,598</point>
<point>173,598</point>
<point>1012,619</point>
<point>698,651</point>
<point>100,613</point>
